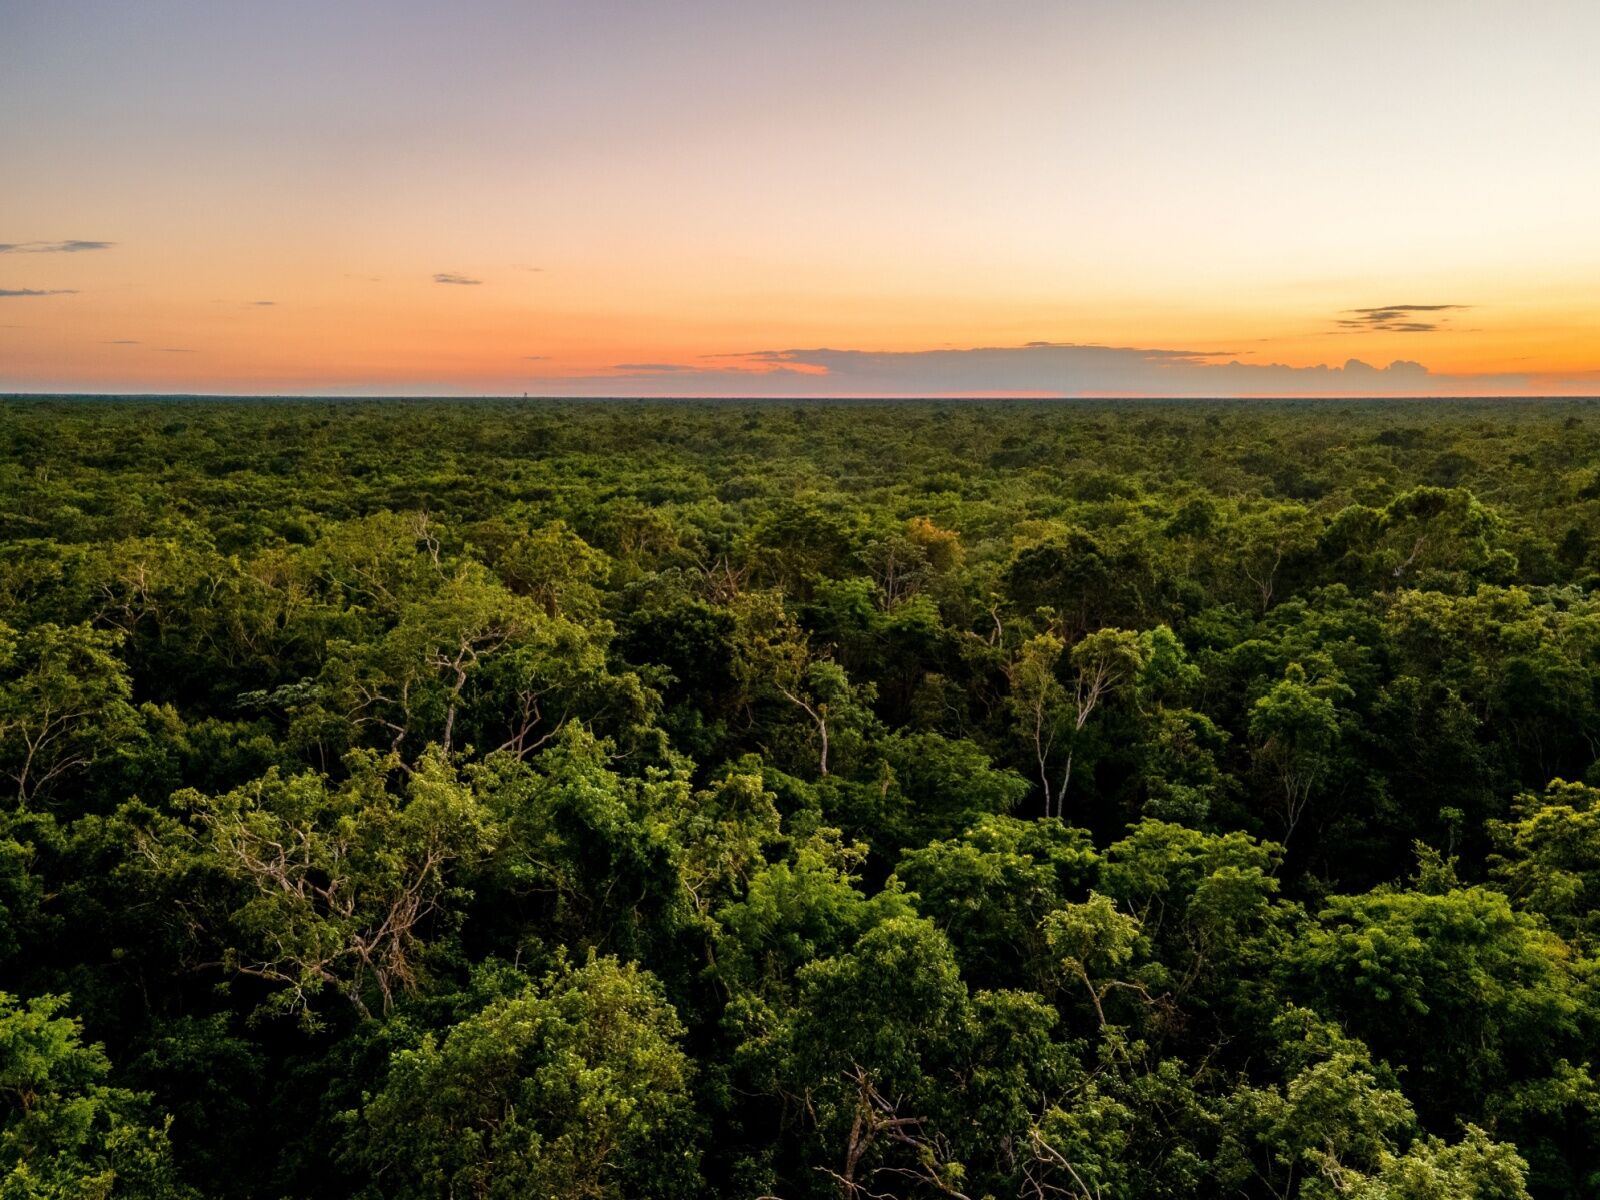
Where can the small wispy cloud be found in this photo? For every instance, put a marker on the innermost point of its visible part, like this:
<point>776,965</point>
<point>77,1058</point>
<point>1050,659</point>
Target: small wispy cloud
<point>656,368</point>
<point>447,277</point>
<point>262,304</point>
<point>124,342</point>
<point>535,357</point>
<point>38,291</point>
<point>1397,318</point>
<point>176,350</point>
<point>74,246</point>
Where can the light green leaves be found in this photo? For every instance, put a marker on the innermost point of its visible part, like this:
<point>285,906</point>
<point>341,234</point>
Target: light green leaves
<point>574,1087</point>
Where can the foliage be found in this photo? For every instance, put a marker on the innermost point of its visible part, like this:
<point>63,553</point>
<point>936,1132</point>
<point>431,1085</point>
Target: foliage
<point>963,799</point>
<point>64,1133</point>
<point>574,1087</point>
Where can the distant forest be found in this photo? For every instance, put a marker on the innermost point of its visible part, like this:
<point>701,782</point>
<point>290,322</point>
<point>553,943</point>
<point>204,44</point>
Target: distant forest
<point>1066,801</point>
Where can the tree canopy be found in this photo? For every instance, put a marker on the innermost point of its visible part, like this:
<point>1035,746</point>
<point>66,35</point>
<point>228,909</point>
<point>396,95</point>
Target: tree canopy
<point>960,799</point>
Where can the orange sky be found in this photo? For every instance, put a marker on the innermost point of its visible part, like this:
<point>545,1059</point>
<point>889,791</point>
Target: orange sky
<point>647,194</point>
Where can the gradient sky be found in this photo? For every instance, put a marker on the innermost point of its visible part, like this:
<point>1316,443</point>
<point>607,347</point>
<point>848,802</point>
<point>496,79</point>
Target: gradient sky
<point>881,197</point>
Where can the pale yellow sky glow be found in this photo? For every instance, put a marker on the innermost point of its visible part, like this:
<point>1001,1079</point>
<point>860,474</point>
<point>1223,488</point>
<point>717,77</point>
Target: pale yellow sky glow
<point>694,198</point>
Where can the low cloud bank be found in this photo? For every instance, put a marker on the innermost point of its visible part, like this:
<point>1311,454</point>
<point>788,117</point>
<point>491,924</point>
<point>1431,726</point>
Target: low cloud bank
<point>1042,369</point>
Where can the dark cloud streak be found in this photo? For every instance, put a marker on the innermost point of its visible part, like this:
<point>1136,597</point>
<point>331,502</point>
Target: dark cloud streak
<point>464,281</point>
<point>1396,318</point>
<point>74,246</point>
<point>1405,308</point>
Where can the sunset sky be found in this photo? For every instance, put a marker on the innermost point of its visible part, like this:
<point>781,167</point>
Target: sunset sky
<point>867,198</point>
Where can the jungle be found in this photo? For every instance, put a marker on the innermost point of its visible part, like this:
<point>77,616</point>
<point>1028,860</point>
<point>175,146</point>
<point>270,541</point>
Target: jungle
<point>1089,799</point>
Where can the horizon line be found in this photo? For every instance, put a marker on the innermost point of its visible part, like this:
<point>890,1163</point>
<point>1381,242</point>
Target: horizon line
<point>812,398</point>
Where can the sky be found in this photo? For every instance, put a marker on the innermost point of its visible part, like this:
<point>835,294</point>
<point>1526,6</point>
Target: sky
<point>873,197</point>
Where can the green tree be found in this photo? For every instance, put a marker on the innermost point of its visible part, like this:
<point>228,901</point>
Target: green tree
<point>991,888</point>
<point>1051,714</point>
<point>330,887</point>
<point>1549,857</point>
<point>575,1086</point>
<point>1459,958</point>
<point>65,1134</point>
<point>1094,943</point>
<point>64,704</point>
<point>589,858</point>
<point>1295,730</point>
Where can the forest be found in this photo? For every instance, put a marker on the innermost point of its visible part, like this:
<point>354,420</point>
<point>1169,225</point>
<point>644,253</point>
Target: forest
<point>600,800</point>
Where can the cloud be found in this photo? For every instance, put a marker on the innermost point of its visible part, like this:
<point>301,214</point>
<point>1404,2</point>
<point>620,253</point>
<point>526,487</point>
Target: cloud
<point>70,247</point>
<point>1043,369</point>
<point>535,357</point>
<point>1400,308</point>
<point>261,304</point>
<point>1396,318</point>
<point>446,277</point>
<point>124,342</point>
<point>38,291</point>
<point>176,350</point>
